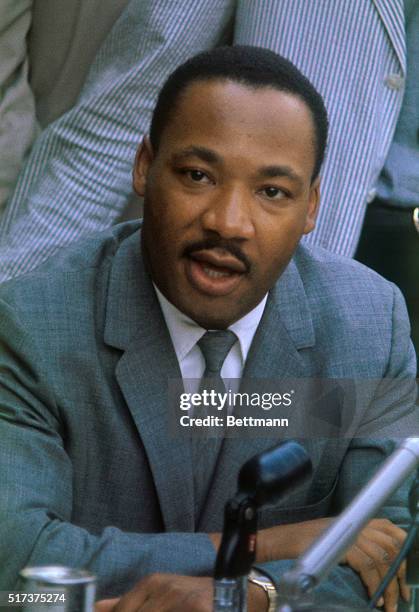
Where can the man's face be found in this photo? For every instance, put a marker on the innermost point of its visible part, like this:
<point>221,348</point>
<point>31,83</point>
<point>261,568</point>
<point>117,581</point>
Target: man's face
<point>228,196</point>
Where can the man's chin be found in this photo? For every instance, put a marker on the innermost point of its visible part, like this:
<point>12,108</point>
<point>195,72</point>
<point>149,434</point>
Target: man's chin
<point>212,313</point>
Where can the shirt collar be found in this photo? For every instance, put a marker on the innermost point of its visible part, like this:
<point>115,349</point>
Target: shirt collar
<point>185,332</point>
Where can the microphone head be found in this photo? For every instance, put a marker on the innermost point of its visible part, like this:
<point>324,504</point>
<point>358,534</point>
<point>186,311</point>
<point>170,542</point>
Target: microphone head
<point>270,475</point>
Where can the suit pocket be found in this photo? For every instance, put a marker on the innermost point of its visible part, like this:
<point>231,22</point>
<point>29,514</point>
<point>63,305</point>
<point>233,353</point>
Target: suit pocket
<point>290,513</point>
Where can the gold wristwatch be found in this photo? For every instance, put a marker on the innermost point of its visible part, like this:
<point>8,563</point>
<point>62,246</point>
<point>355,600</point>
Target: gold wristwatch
<point>262,580</point>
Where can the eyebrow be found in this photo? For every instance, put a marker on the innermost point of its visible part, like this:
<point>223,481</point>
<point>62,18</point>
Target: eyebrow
<point>211,157</point>
<point>281,171</point>
<point>203,153</point>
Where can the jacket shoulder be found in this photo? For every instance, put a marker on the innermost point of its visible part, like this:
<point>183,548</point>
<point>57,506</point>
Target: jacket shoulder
<point>360,319</point>
<point>342,281</point>
<point>71,269</point>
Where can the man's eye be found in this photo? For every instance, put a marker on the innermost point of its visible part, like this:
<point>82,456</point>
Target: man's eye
<point>197,176</point>
<point>273,193</point>
<point>193,175</point>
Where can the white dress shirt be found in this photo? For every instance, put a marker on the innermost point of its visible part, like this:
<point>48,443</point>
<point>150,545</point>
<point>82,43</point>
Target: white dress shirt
<point>185,334</point>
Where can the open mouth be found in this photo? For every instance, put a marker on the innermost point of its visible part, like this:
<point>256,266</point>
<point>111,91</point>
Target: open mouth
<point>214,272</point>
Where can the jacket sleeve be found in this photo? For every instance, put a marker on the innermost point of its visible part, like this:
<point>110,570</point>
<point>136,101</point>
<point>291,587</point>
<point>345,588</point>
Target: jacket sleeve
<point>36,478</point>
<point>77,179</point>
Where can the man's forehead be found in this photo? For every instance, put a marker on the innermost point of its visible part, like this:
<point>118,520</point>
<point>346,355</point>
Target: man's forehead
<point>229,100</point>
<point>208,87</point>
<point>215,113</point>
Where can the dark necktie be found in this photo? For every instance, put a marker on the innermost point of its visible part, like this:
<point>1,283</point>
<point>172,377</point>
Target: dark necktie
<point>215,347</point>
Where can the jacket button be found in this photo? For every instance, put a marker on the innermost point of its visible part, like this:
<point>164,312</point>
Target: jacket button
<point>394,81</point>
<point>371,195</point>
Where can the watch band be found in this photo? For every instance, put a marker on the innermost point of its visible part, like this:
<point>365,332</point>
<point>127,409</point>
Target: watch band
<point>260,579</point>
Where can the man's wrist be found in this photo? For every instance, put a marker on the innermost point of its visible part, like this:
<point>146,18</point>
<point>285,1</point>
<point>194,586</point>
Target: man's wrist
<point>275,543</point>
<point>260,581</point>
<point>257,600</point>
<point>288,541</point>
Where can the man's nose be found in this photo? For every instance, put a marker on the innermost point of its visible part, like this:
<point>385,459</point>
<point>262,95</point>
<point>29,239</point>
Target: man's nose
<point>229,214</point>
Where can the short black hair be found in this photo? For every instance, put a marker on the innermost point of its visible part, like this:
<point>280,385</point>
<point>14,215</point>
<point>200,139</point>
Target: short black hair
<point>252,66</point>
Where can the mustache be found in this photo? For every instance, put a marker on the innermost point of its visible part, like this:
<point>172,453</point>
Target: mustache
<point>218,243</point>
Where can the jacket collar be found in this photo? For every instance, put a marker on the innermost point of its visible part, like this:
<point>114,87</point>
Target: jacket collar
<point>391,13</point>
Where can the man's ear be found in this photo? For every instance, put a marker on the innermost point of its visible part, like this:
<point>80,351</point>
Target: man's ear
<point>313,206</point>
<point>143,160</point>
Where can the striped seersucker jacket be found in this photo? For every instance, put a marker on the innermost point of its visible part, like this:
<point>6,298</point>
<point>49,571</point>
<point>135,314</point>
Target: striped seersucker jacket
<point>78,176</point>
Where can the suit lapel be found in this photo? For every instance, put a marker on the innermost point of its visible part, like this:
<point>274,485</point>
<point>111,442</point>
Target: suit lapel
<point>135,324</point>
<point>392,15</point>
<point>286,328</point>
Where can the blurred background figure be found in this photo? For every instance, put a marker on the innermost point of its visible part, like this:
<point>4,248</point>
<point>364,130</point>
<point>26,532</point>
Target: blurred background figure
<point>390,239</point>
<point>64,39</point>
<point>17,105</point>
<point>46,49</point>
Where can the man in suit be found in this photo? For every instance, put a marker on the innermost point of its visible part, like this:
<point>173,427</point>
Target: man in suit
<point>230,177</point>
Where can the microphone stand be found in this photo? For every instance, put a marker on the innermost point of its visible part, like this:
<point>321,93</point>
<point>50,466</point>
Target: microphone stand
<point>326,552</point>
<point>236,554</point>
<point>264,479</point>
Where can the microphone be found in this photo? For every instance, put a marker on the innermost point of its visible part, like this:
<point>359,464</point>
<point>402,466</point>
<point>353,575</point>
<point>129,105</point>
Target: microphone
<point>329,548</point>
<point>267,477</point>
<point>262,480</point>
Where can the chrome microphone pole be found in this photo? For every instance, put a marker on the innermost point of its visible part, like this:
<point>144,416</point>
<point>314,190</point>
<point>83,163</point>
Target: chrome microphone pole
<point>326,552</point>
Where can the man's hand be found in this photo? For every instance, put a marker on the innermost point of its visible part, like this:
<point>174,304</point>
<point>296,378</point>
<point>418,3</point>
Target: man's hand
<point>372,554</point>
<point>164,593</point>
<point>172,593</point>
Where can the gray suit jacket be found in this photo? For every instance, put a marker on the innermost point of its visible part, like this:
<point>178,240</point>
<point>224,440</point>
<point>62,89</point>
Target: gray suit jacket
<point>89,474</point>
